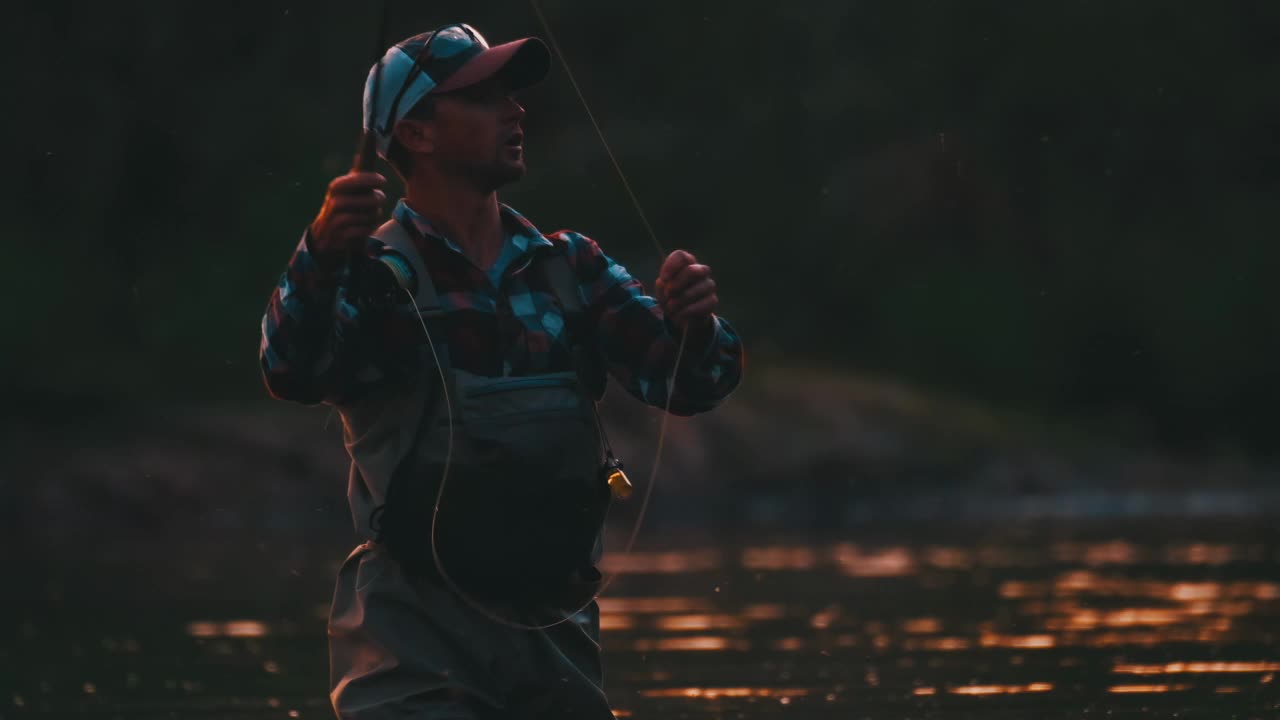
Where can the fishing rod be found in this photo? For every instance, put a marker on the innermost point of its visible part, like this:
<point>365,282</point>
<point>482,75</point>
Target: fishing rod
<point>366,159</point>
<point>384,272</point>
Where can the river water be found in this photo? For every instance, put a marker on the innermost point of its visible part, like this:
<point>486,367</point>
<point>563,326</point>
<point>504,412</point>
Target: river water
<point>1159,618</point>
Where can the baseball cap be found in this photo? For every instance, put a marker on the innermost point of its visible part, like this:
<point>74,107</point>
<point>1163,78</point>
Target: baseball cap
<point>447,58</point>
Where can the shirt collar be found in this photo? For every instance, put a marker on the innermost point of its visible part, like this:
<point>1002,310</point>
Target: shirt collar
<point>523,232</point>
<point>523,235</point>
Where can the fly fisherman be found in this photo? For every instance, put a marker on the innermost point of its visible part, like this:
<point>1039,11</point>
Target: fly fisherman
<point>474,386</point>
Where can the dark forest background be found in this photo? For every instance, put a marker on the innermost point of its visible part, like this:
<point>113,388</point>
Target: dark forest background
<point>1064,209</point>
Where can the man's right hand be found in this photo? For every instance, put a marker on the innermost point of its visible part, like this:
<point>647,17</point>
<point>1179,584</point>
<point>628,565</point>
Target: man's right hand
<point>351,213</point>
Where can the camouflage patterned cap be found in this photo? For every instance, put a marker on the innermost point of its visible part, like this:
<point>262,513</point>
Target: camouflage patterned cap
<point>447,58</point>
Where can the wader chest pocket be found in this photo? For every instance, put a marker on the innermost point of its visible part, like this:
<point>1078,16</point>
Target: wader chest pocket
<point>526,503</point>
<point>540,423</point>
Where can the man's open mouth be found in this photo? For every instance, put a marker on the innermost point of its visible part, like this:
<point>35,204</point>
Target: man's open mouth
<point>515,140</point>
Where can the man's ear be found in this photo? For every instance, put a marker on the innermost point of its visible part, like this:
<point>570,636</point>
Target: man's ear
<point>416,136</point>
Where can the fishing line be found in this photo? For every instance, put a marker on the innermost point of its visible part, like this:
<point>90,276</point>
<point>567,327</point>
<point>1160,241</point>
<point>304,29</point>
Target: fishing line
<point>671,383</point>
<point>365,162</point>
<point>444,476</point>
<point>599,133</point>
<point>662,430</point>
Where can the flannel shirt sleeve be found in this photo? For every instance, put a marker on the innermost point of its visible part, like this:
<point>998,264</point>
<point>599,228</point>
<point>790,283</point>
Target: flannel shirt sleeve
<point>312,347</point>
<point>640,347</point>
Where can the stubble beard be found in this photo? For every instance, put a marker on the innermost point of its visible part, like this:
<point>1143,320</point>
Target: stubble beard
<point>498,174</point>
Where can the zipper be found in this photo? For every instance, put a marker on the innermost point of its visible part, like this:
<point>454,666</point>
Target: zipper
<point>524,416</point>
<point>523,383</point>
<point>518,417</point>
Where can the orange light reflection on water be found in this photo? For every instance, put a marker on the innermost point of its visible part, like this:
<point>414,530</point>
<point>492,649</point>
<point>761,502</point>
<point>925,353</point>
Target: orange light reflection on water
<point>922,626</point>
<point>887,562</point>
<point>1028,642</point>
<point>949,558</point>
<point>230,628</point>
<point>937,643</point>
<point>1198,617</point>
<point>653,604</point>
<point>1000,689</point>
<point>764,611</point>
<point>1128,617</point>
<point>615,621</point>
<point>662,563</point>
<point>715,693</point>
<point>1137,689</point>
<point>1094,605</point>
<point>824,618</point>
<point>1116,552</point>
<point>1013,589</point>
<point>779,558</point>
<point>683,623</point>
<point>1175,668</point>
<point>689,643</point>
<point>1187,592</point>
<point>1086,582</point>
<point>1199,554</point>
<point>1148,638</point>
<point>789,644</point>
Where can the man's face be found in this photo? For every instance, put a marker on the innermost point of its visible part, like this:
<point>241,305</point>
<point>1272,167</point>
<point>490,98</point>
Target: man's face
<point>478,134</point>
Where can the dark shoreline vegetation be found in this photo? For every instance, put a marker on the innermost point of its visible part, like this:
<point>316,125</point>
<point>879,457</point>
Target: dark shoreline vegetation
<point>1065,210</point>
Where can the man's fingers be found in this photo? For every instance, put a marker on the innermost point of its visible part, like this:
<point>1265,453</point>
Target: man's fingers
<point>687,277</point>
<point>349,227</point>
<point>355,203</point>
<point>356,183</point>
<point>701,308</point>
<point>352,210</point>
<point>694,292</point>
<point>679,257</point>
<point>678,290</point>
<point>367,213</point>
<point>673,264</point>
<point>364,216</point>
<point>346,213</point>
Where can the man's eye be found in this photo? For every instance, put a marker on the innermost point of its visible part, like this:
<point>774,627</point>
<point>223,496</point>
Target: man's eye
<point>479,97</point>
<point>485,96</point>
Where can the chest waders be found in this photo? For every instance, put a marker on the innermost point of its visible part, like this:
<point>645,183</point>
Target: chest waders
<point>524,503</point>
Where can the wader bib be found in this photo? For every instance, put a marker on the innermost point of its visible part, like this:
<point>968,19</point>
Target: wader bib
<point>525,498</point>
<point>519,530</point>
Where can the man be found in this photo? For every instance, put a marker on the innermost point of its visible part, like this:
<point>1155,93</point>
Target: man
<point>468,401</point>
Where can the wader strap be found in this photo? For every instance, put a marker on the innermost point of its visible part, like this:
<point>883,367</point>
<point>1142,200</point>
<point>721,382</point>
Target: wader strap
<point>427,304</point>
<point>397,240</point>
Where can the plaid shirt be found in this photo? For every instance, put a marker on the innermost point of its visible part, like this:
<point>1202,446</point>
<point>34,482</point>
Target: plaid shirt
<point>320,345</point>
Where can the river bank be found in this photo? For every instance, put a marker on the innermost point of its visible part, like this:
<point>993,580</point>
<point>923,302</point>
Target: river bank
<point>792,449</point>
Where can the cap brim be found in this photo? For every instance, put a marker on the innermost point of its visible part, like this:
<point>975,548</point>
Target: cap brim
<point>521,62</point>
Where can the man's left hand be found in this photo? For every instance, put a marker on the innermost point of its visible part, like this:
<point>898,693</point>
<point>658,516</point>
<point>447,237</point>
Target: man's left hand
<point>686,292</point>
